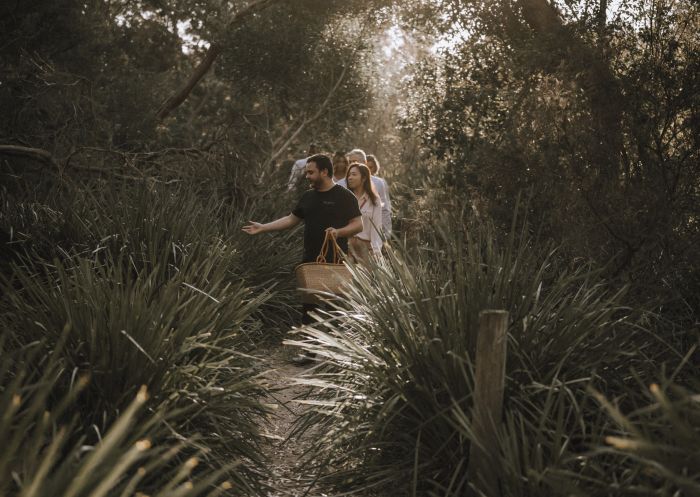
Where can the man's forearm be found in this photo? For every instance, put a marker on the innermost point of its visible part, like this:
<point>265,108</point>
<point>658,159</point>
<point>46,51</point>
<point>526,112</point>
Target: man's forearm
<point>353,228</point>
<point>282,223</point>
<point>344,233</point>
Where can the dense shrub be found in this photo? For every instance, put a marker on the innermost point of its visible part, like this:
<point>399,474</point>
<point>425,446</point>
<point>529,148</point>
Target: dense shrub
<point>393,397</point>
<point>155,287</point>
<point>563,100</point>
<point>47,450</point>
<point>160,230</point>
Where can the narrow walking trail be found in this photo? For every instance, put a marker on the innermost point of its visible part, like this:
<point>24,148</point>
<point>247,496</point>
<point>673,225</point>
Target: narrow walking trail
<point>287,477</point>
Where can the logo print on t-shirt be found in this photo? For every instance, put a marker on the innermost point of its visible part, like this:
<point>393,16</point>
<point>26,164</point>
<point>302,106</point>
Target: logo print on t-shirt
<point>328,202</point>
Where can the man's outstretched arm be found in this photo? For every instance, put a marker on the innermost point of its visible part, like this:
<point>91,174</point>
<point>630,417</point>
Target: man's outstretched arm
<point>283,223</point>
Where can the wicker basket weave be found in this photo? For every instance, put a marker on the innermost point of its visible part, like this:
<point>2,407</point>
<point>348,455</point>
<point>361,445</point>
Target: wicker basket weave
<point>319,279</point>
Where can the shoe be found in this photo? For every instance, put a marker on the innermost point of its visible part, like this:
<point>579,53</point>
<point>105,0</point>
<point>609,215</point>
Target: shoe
<point>303,359</point>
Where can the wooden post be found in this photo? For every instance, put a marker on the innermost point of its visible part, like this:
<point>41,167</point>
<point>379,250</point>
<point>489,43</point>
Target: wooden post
<point>489,381</point>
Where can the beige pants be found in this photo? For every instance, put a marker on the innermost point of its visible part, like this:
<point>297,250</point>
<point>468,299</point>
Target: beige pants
<point>360,250</point>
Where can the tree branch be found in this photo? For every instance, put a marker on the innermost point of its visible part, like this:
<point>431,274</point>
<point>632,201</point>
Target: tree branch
<point>213,52</point>
<point>306,122</point>
<point>174,101</point>
<point>33,153</point>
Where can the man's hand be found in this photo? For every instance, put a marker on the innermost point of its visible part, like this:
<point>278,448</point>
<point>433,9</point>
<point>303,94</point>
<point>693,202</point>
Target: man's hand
<point>253,228</point>
<point>333,232</point>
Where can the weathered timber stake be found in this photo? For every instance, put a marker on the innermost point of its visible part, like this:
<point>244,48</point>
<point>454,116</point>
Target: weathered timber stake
<point>488,401</point>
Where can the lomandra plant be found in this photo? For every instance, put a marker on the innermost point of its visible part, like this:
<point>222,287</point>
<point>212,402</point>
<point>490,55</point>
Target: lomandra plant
<point>168,226</point>
<point>393,393</point>
<point>186,338</point>
<point>155,286</point>
<point>161,231</point>
<point>655,447</point>
<point>47,451</point>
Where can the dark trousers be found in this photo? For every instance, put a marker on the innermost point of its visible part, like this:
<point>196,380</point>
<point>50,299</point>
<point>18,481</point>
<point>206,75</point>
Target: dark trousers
<point>305,310</point>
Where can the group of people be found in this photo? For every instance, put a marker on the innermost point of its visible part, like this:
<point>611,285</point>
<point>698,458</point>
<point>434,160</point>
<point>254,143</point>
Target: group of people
<point>346,198</point>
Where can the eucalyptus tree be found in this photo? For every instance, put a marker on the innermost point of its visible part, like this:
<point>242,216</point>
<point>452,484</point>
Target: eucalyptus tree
<point>590,106</point>
<point>122,67</point>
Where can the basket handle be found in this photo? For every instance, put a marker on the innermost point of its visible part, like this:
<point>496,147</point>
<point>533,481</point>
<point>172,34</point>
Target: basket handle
<point>337,251</point>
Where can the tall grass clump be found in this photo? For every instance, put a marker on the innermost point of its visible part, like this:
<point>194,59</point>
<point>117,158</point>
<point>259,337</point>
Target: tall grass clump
<point>165,228</point>
<point>655,447</point>
<point>155,287</point>
<point>186,339</point>
<point>48,451</point>
<point>391,401</point>
<point>155,226</point>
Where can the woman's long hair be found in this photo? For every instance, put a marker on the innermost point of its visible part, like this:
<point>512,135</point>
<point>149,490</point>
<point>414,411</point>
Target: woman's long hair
<point>367,184</point>
<point>377,167</point>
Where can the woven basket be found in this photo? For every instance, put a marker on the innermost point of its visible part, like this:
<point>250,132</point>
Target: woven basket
<point>319,279</point>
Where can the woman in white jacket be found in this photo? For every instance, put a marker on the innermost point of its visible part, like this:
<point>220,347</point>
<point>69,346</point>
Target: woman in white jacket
<point>368,242</point>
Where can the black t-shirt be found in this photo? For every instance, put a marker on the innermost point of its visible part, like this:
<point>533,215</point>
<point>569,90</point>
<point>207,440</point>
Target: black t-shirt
<point>320,210</point>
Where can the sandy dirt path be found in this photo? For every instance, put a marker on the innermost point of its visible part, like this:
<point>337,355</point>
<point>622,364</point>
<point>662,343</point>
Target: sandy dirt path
<point>287,477</point>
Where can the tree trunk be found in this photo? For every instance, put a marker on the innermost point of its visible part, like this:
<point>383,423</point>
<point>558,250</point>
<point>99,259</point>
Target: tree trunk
<point>215,49</point>
<point>588,66</point>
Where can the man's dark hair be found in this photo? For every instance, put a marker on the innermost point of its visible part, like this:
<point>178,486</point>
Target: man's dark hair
<point>322,162</point>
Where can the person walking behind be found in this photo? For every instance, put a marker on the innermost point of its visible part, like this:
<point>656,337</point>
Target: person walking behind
<point>373,165</point>
<point>325,207</point>
<point>368,243</point>
<point>357,155</point>
<point>297,171</point>
<point>381,186</point>
<point>340,166</point>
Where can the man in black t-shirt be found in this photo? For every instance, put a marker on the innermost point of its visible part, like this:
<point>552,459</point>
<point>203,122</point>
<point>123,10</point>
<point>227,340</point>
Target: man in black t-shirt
<point>326,207</point>
<point>322,211</point>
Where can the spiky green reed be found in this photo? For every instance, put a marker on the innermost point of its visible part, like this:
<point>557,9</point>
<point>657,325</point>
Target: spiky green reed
<point>392,400</point>
<point>154,288</point>
<point>48,451</point>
